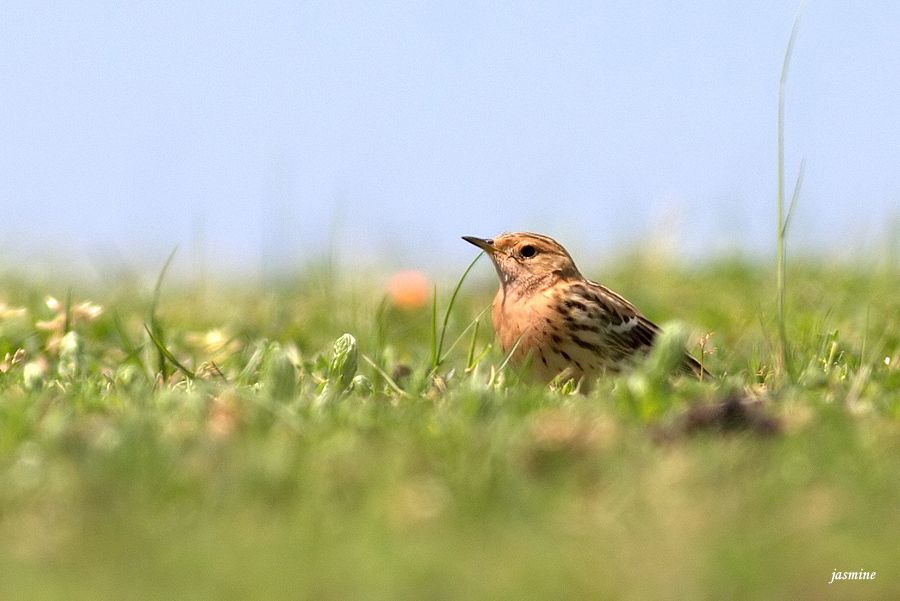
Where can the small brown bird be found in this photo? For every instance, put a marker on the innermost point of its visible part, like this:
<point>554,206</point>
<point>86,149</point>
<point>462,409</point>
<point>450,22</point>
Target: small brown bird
<point>549,312</point>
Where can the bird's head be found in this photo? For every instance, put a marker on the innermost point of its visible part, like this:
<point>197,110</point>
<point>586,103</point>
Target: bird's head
<point>525,257</point>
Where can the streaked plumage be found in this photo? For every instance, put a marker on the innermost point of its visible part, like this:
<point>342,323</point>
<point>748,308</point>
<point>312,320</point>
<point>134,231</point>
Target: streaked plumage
<point>547,310</point>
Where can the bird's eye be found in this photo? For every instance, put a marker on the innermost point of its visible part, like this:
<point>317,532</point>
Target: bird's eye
<point>528,251</point>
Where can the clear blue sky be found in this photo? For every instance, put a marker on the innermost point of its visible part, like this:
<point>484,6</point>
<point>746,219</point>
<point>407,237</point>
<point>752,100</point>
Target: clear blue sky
<point>257,130</point>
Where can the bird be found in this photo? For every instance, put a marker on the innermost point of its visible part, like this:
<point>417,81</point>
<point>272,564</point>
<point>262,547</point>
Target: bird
<point>549,315</point>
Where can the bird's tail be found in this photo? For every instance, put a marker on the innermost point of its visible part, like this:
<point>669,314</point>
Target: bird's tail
<point>690,365</point>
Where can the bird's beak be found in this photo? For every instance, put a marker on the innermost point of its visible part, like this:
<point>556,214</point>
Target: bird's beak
<point>485,245</point>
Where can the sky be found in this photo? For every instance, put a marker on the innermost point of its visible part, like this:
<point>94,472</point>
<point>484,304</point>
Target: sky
<point>263,135</point>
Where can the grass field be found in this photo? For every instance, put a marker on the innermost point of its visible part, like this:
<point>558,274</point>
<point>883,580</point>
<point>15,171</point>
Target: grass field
<point>254,462</point>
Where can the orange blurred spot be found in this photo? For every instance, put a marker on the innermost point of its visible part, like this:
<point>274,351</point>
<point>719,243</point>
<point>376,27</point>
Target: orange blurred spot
<point>409,289</point>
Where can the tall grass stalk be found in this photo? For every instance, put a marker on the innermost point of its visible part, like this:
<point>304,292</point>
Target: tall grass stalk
<point>784,218</point>
<point>155,329</point>
<point>437,342</point>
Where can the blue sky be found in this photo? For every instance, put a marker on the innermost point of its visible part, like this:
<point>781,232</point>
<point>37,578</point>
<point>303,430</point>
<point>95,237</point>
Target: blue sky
<point>262,132</point>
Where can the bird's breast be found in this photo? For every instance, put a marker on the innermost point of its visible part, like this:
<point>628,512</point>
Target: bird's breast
<point>526,323</point>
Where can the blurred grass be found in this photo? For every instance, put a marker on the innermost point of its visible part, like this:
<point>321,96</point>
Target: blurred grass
<point>254,479</point>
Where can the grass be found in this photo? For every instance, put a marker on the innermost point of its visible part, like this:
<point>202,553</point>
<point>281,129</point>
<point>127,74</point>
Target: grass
<point>253,451</point>
<point>784,218</point>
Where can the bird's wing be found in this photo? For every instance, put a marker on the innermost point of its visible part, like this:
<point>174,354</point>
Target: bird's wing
<point>603,319</point>
<point>624,327</point>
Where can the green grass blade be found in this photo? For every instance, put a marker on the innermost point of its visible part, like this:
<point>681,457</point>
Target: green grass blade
<point>388,379</point>
<point>155,323</point>
<point>470,356</point>
<point>157,289</point>
<point>132,350</point>
<point>438,356</point>
<point>471,324</point>
<point>794,197</point>
<point>167,354</point>
<point>509,355</point>
<point>780,269</point>
<point>434,343</point>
